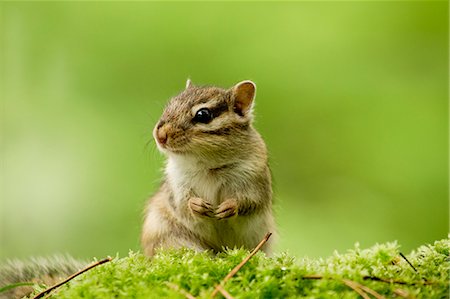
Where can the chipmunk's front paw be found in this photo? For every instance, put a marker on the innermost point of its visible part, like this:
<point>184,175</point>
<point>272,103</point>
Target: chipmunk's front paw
<point>200,207</point>
<point>227,209</point>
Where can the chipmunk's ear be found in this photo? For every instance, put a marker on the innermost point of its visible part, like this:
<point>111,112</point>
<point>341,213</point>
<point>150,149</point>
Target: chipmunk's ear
<point>189,83</point>
<point>243,94</point>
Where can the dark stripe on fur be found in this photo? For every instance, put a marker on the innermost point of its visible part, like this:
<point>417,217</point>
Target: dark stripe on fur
<point>219,109</point>
<point>228,130</point>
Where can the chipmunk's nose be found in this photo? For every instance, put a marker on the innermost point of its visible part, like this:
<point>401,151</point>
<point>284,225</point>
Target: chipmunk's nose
<point>161,133</point>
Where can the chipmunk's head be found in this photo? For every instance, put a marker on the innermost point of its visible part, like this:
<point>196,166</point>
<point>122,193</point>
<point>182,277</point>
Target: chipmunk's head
<point>202,120</point>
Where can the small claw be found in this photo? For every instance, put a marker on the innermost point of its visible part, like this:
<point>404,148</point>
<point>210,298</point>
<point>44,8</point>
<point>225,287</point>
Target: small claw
<point>199,207</point>
<point>207,204</point>
<point>227,209</point>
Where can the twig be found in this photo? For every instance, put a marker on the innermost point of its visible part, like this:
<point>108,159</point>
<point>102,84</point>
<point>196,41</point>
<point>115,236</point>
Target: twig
<point>365,289</point>
<point>41,294</point>
<point>224,292</point>
<point>424,282</point>
<point>313,276</point>
<point>374,278</point>
<point>180,290</point>
<point>355,286</point>
<point>371,292</point>
<point>244,261</point>
<point>404,257</point>
<point>403,294</point>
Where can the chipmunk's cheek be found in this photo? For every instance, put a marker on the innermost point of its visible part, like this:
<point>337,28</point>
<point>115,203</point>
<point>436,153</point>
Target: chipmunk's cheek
<point>179,143</point>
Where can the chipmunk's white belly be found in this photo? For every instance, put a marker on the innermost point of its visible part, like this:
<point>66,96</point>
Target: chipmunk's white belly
<point>186,176</point>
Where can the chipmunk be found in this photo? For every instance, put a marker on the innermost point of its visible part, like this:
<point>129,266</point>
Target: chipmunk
<point>217,190</point>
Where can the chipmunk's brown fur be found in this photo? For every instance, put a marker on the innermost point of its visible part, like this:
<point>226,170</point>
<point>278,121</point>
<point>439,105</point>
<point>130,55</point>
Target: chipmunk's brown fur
<point>217,190</point>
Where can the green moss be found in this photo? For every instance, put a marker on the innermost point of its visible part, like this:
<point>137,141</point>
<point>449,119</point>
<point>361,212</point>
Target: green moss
<point>278,277</point>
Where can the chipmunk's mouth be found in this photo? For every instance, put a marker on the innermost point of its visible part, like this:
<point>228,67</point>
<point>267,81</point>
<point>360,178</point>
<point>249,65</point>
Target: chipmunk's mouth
<point>169,145</point>
<point>170,140</point>
<point>167,149</point>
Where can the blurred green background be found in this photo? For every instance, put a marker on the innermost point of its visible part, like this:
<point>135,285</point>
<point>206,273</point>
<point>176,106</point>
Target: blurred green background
<point>352,102</point>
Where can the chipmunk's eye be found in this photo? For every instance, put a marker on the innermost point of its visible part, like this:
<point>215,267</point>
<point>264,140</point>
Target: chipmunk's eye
<point>203,115</point>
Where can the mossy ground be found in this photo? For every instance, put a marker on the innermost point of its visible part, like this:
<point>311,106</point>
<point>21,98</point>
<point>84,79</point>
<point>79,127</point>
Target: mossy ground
<point>281,276</point>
